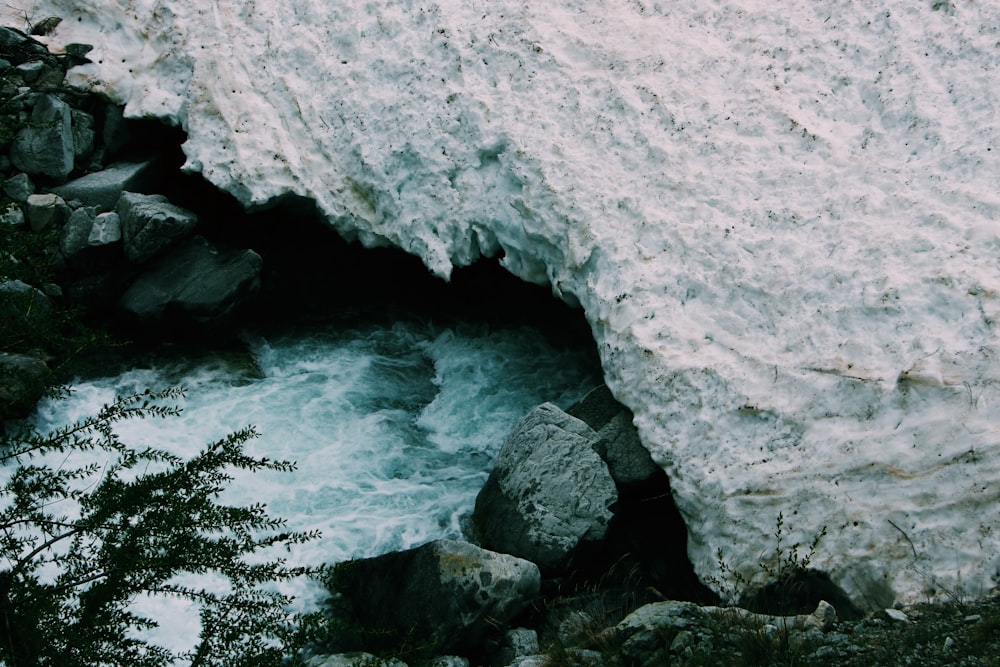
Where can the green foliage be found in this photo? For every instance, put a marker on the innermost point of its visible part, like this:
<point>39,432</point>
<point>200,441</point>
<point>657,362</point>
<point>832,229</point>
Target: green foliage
<point>29,323</point>
<point>793,586</point>
<point>89,523</point>
<point>28,255</point>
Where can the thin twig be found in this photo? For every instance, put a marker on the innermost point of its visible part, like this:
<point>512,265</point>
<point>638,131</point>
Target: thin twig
<point>905,536</point>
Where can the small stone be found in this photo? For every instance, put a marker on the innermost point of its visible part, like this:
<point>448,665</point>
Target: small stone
<point>12,215</point>
<point>575,627</point>
<point>824,618</point>
<point>683,640</point>
<point>516,643</point>
<point>897,615</point>
<point>107,229</point>
<point>30,71</point>
<point>972,619</point>
<point>949,643</point>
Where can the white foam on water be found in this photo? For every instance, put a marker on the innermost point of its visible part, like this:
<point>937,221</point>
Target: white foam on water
<point>392,429</point>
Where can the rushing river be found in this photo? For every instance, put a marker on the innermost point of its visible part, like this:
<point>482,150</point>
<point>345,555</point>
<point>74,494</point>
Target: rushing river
<point>393,426</point>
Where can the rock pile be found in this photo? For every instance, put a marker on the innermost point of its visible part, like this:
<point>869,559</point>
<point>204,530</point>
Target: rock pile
<point>574,501</point>
<point>77,177</point>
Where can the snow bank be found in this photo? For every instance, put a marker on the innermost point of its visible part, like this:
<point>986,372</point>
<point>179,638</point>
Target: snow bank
<point>780,219</point>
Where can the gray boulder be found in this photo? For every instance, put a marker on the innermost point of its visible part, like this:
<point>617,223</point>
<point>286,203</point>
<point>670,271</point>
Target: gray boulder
<point>22,382</point>
<point>515,644</point>
<point>31,70</point>
<point>150,224</point>
<point>46,210</point>
<point>20,301</point>
<point>83,134</point>
<point>619,445</point>
<point>18,48</point>
<point>77,231</point>
<point>618,441</point>
<point>195,282</point>
<point>103,189</point>
<point>90,240</point>
<point>107,229</point>
<point>45,145</point>
<point>641,634</point>
<point>18,187</point>
<point>451,595</point>
<point>548,493</point>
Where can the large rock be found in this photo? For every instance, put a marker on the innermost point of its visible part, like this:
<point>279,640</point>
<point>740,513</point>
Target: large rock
<point>104,188</point>
<point>83,134</point>
<point>25,304</point>
<point>91,240</point>
<point>23,380</point>
<point>45,145</point>
<point>46,210</point>
<point>19,48</point>
<point>196,282</point>
<point>19,187</point>
<point>451,595</point>
<point>548,491</point>
<point>781,224</point>
<point>617,442</point>
<point>150,224</point>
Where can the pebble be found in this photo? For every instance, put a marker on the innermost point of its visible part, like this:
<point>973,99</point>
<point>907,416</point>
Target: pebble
<point>897,615</point>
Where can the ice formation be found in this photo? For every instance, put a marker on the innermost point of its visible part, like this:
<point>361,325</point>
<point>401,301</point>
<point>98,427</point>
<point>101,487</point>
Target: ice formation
<point>779,218</point>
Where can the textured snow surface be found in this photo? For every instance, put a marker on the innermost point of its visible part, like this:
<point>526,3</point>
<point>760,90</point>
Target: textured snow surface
<point>780,219</point>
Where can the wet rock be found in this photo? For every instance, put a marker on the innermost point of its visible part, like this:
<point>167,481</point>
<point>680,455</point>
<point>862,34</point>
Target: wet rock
<point>150,224</point>
<point>22,382</point>
<point>452,595</point>
<point>196,282</point>
<point>548,492</point>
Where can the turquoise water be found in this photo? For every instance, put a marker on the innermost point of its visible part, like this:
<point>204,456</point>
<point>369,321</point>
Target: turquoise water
<point>393,427</point>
